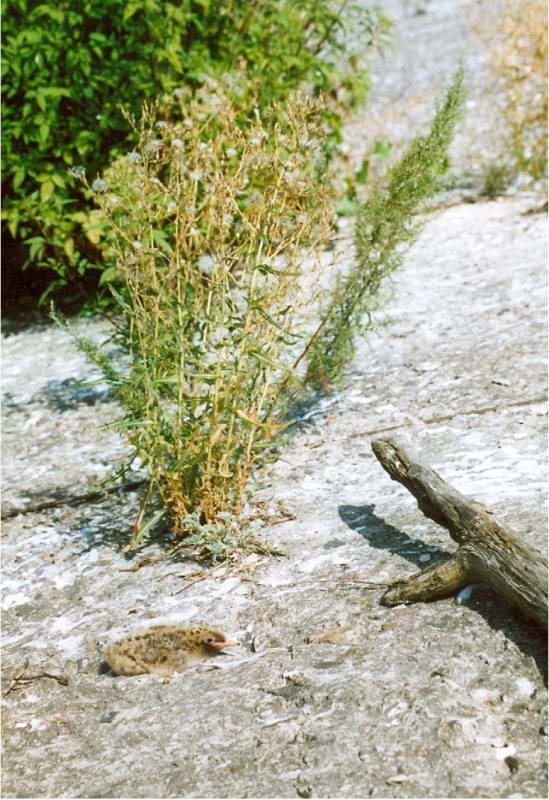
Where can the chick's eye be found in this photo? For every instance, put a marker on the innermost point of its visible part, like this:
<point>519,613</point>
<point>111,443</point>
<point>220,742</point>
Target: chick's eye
<point>210,640</point>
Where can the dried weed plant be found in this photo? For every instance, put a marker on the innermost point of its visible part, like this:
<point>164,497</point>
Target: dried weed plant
<point>518,50</point>
<point>211,219</point>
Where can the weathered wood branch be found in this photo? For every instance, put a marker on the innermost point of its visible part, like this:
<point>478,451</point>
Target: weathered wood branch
<point>489,552</point>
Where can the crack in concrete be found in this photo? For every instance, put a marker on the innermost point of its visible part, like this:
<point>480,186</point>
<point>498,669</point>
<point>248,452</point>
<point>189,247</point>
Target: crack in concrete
<point>447,417</point>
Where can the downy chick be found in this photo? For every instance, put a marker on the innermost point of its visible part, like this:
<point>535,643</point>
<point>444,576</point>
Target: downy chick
<point>164,649</point>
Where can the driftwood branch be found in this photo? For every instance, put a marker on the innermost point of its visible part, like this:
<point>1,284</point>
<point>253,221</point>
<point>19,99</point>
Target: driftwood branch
<point>489,552</point>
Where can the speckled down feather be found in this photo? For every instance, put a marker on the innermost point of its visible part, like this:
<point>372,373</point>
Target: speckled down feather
<point>164,649</point>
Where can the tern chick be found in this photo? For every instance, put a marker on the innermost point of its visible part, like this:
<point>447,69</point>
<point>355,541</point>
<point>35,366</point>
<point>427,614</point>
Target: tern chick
<point>164,649</point>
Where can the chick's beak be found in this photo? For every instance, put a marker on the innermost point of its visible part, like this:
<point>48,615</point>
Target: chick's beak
<point>221,645</point>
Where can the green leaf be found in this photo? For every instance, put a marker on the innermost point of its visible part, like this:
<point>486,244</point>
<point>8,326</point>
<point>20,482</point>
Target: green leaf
<point>46,190</point>
<point>59,180</point>
<point>50,11</point>
<point>94,233</point>
<point>159,238</point>
<point>19,177</point>
<point>68,247</point>
<point>246,417</point>
<point>108,275</point>
<point>362,172</point>
<point>256,353</point>
<point>382,148</point>
<point>142,534</point>
<point>36,246</point>
<point>130,10</point>
<point>44,130</point>
<point>56,284</point>
<point>345,207</point>
<point>132,423</point>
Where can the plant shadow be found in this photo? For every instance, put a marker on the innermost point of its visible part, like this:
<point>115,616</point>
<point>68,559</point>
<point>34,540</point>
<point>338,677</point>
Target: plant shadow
<point>307,411</point>
<point>116,532</point>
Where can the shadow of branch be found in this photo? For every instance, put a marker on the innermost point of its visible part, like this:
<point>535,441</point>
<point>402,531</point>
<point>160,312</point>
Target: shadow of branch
<point>498,612</point>
<point>383,536</point>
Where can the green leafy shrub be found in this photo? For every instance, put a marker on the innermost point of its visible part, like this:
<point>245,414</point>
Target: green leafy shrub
<point>209,223</point>
<point>384,227</point>
<point>69,67</point>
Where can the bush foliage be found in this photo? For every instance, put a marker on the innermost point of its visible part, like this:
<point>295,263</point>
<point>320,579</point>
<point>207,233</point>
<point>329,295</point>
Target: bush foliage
<point>68,68</point>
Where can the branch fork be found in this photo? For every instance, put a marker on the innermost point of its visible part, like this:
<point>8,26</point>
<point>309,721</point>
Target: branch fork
<point>489,552</point>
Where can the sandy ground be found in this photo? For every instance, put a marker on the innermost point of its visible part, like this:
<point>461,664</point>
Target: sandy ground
<point>329,694</point>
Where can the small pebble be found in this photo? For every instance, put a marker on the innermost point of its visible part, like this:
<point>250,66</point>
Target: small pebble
<point>398,779</point>
<point>464,595</point>
<point>467,591</point>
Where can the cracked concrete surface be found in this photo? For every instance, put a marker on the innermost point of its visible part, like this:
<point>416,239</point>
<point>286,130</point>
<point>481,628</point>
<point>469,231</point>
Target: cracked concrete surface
<point>330,694</point>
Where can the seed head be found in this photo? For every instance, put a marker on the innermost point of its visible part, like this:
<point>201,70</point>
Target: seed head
<point>152,147</point>
<point>77,172</point>
<point>99,186</point>
<point>205,264</point>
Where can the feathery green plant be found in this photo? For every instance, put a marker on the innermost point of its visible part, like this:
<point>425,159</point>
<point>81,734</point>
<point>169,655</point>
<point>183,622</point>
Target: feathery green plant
<point>384,226</point>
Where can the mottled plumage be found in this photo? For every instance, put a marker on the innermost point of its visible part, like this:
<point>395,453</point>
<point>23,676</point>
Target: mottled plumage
<point>164,649</point>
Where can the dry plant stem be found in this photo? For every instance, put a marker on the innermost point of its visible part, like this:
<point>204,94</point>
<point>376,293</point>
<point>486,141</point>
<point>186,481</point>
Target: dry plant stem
<point>20,679</point>
<point>489,552</point>
<point>202,577</point>
<point>517,46</point>
<point>141,512</point>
